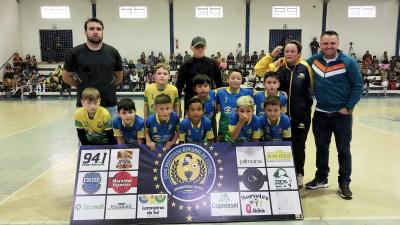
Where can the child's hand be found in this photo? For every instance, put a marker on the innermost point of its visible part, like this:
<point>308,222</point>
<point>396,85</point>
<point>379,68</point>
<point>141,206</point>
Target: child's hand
<point>243,118</point>
<point>151,145</point>
<point>169,144</point>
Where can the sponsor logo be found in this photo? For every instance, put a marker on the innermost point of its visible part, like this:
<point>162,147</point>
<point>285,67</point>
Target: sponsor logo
<point>94,159</point>
<point>121,206</point>
<point>122,182</point>
<point>91,182</point>
<point>188,172</point>
<point>253,179</point>
<point>279,155</point>
<point>124,159</point>
<point>255,204</point>
<point>250,161</point>
<point>88,207</point>
<point>282,179</point>
<point>152,206</point>
<point>225,204</point>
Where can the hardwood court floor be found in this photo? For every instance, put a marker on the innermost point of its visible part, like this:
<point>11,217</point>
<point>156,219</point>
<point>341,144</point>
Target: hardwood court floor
<point>38,158</point>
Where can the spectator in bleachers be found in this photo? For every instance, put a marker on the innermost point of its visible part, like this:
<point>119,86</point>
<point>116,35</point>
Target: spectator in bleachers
<point>52,82</point>
<point>239,49</point>
<point>367,56</point>
<point>172,62</point>
<point>218,57</point>
<point>34,79</point>
<point>230,59</point>
<point>58,71</point>
<point>17,60</point>
<point>314,45</point>
<point>223,65</point>
<point>139,65</point>
<point>186,57</point>
<point>262,54</point>
<point>246,59</point>
<point>8,77</point>
<point>198,64</point>
<point>161,58</point>
<point>34,62</point>
<point>384,66</point>
<point>151,59</point>
<point>131,65</point>
<point>253,59</point>
<point>179,59</point>
<point>239,60</point>
<point>143,58</point>
<point>374,65</point>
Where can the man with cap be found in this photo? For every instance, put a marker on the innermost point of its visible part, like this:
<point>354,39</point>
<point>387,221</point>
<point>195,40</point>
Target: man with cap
<point>198,64</point>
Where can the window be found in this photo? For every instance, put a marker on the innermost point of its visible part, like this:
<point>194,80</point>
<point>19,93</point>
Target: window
<point>209,11</point>
<point>55,12</point>
<point>286,11</point>
<point>133,12</point>
<point>368,11</point>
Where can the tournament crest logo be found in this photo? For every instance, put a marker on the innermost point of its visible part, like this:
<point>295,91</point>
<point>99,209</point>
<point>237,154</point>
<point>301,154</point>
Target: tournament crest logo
<point>188,172</point>
<point>91,182</point>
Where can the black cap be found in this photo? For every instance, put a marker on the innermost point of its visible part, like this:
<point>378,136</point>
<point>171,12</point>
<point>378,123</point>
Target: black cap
<point>198,41</point>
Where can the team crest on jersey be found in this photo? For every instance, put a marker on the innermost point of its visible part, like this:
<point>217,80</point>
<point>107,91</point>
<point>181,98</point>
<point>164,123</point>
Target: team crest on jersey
<point>99,125</point>
<point>188,172</point>
<point>228,110</point>
<point>301,76</point>
<point>154,129</point>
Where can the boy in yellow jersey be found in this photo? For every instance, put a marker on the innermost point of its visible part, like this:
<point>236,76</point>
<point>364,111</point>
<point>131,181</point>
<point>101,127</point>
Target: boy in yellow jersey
<point>161,86</point>
<point>93,122</point>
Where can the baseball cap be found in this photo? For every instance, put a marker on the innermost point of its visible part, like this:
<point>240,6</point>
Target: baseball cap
<point>198,41</point>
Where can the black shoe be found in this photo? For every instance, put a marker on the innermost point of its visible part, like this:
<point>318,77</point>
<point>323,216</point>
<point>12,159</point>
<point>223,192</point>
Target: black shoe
<point>344,191</point>
<point>317,183</point>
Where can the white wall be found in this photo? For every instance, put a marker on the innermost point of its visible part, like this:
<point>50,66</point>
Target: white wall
<point>222,35</point>
<point>10,33</point>
<point>31,22</point>
<point>132,36</point>
<point>374,34</point>
<point>261,22</point>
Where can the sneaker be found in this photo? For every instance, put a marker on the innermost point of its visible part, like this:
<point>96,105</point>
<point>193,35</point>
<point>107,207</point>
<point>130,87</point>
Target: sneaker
<point>345,192</point>
<point>300,183</point>
<point>317,183</point>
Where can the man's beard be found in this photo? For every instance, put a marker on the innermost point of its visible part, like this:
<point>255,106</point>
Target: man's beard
<point>95,41</point>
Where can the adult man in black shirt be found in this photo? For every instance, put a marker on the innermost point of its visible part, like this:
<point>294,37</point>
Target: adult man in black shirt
<point>96,65</point>
<point>198,64</point>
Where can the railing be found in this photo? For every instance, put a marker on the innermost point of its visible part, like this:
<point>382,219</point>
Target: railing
<point>4,64</point>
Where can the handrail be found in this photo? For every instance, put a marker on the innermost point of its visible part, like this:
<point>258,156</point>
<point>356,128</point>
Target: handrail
<point>4,64</point>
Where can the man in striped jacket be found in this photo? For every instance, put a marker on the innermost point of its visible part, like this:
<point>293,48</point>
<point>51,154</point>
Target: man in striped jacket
<point>337,87</point>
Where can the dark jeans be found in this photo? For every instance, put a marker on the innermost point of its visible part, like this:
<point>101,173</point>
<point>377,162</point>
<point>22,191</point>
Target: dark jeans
<point>299,138</point>
<point>324,124</point>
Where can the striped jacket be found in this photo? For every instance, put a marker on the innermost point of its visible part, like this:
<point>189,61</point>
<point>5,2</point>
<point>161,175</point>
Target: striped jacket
<point>337,84</point>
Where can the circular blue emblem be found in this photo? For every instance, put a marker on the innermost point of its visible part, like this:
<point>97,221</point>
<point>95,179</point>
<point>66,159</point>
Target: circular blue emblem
<point>91,182</point>
<point>188,172</point>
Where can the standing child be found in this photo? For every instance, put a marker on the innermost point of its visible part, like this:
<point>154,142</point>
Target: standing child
<point>93,122</point>
<point>244,126</point>
<point>202,84</point>
<point>160,86</point>
<point>162,127</point>
<point>271,85</point>
<point>275,125</point>
<point>128,127</point>
<point>226,101</point>
<point>195,127</point>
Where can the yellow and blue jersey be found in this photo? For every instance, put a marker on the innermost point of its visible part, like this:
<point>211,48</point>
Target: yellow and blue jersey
<point>95,128</point>
<point>226,99</point>
<point>210,105</point>
<point>190,134</point>
<point>275,132</point>
<point>130,132</point>
<point>251,130</point>
<point>161,132</point>
<point>151,92</point>
<point>261,96</point>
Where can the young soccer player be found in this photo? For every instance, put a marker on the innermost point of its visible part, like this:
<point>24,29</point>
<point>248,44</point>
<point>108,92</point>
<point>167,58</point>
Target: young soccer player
<point>244,126</point>
<point>162,127</point>
<point>275,125</point>
<point>128,127</point>
<point>93,122</point>
<point>161,86</point>
<point>195,127</point>
<point>226,101</point>
<point>271,85</point>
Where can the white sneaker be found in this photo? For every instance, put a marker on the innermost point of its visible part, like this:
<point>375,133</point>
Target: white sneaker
<point>300,178</point>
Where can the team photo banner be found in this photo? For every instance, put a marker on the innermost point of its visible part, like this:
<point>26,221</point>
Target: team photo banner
<point>189,183</point>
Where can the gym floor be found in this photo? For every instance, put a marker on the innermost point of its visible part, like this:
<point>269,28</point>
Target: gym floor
<point>39,152</point>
